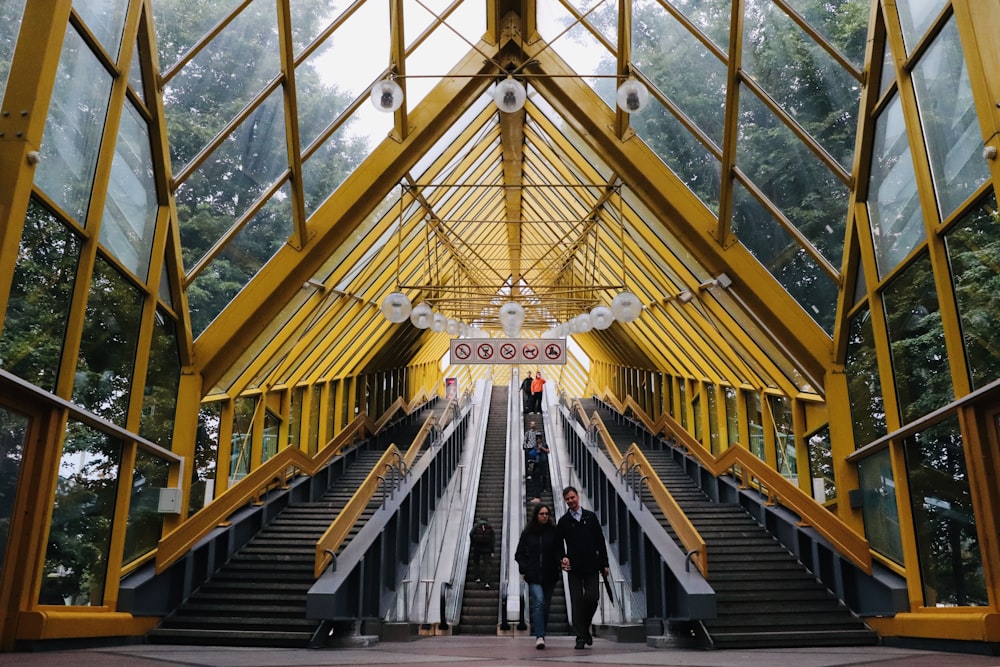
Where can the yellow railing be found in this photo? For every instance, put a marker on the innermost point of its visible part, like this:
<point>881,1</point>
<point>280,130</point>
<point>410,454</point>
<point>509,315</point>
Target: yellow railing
<point>689,536</point>
<point>335,535</point>
<point>276,470</point>
<point>694,543</point>
<point>778,489</point>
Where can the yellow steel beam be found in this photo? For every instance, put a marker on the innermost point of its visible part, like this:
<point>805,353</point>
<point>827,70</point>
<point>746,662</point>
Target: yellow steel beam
<point>262,299</point>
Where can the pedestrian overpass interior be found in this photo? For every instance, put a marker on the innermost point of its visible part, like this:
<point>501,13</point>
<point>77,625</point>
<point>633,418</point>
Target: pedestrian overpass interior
<point>703,553</point>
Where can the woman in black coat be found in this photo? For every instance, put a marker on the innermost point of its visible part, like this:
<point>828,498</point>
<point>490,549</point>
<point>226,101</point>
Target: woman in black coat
<point>538,555</point>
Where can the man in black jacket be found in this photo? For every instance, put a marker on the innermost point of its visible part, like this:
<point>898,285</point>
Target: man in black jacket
<point>586,556</point>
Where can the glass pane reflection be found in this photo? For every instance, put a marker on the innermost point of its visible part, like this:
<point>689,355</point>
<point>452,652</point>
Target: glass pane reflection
<point>916,339</point>
<point>145,523</point>
<point>973,247</point>
<point>12,11</point>
<point>31,341</point>
<point>864,387</point>
<point>79,543</point>
<point>13,434</point>
<point>74,127</point>
<point>879,510</point>
<point>130,208</point>
<point>893,205</point>
<point>951,561</point>
<point>951,127</point>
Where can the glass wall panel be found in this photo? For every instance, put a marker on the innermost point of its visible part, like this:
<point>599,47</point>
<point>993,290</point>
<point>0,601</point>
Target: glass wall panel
<point>784,436</point>
<point>295,417</point>
<point>696,412</point>
<point>682,397</point>
<point>145,523</point>
<point>12,11</point>
<point>34,327</point>
<point>682,68</point>
<point>973,247</point>
<point>792,178</point>
<point>178,28</point>
<point>224,187</point>
<point>206,449</point>
<point>13,436</point>
<point>893,205</point>
<point>103,382</point>
<point>680,150</point>
<point>135,76</point>
<point>803,79</point>
<point>424,62</point>
<point>881,515</point>
<point>951,126</point>
<point>951,561</point>
<point>916,339</point>
<point>335,160</point>
<point>755,418</point>
<point>73,127</point>
<point>888,70</point>
<point>239,458</point>
<point>239,261</point>
<point>79,541</point>
<point>824,484</point>
<point>915,17</point>
<point>314,410</point>
<point>713,420</point>
<point>131,206</point>
<point>106,20</point>
<point>864,387</point>
<point>732,415</point>
<point>271,426</point>
<point>791,266</point>
<point>241,60</point>
<point>162,381</point>
<point>842,23</point>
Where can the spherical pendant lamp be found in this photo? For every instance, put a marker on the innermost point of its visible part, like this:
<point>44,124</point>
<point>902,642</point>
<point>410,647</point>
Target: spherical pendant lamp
<point>626,307</point>
<point>396,307</point>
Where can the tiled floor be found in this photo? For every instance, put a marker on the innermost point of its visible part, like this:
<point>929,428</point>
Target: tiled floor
<point>460,651</point>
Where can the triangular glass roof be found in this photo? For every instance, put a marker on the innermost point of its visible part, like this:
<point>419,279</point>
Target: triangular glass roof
<point>300,206</point>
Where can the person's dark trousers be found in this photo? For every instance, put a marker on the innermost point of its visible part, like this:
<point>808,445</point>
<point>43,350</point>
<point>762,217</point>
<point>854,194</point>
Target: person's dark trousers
<point>541,478</point>
<point>584,594</point>
<point>536,403</point>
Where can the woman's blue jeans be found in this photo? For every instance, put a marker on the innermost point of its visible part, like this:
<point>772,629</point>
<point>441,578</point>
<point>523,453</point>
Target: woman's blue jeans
<point>539,600</point>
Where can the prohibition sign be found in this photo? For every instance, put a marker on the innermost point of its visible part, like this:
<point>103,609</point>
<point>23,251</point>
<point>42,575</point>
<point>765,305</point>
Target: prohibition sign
<point>485,351</point>
<point>508,351</point>
<point>552,351</point>
<point>462,351</point>
<point>530,351</point>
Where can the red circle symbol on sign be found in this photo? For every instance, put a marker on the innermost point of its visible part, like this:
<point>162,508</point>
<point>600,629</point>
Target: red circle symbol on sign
<point>507,351</point>
<point>485,351</point>
<point>462,351</point>
<point>553,351</point>
<point>530,351</point>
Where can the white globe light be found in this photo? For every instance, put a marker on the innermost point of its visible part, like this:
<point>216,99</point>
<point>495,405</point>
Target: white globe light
<point>509,95</point>
<point>453,327</point>
<point>386,96</point>
<point>421,316</point>
<point>396,307</point>
<point>601,317</point>
<point>439,323</point>
<point>626,307</point>
<point>583,323</point>
<point>632,96</point>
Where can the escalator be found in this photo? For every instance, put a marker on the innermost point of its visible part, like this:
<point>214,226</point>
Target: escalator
<point>481,600</point>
